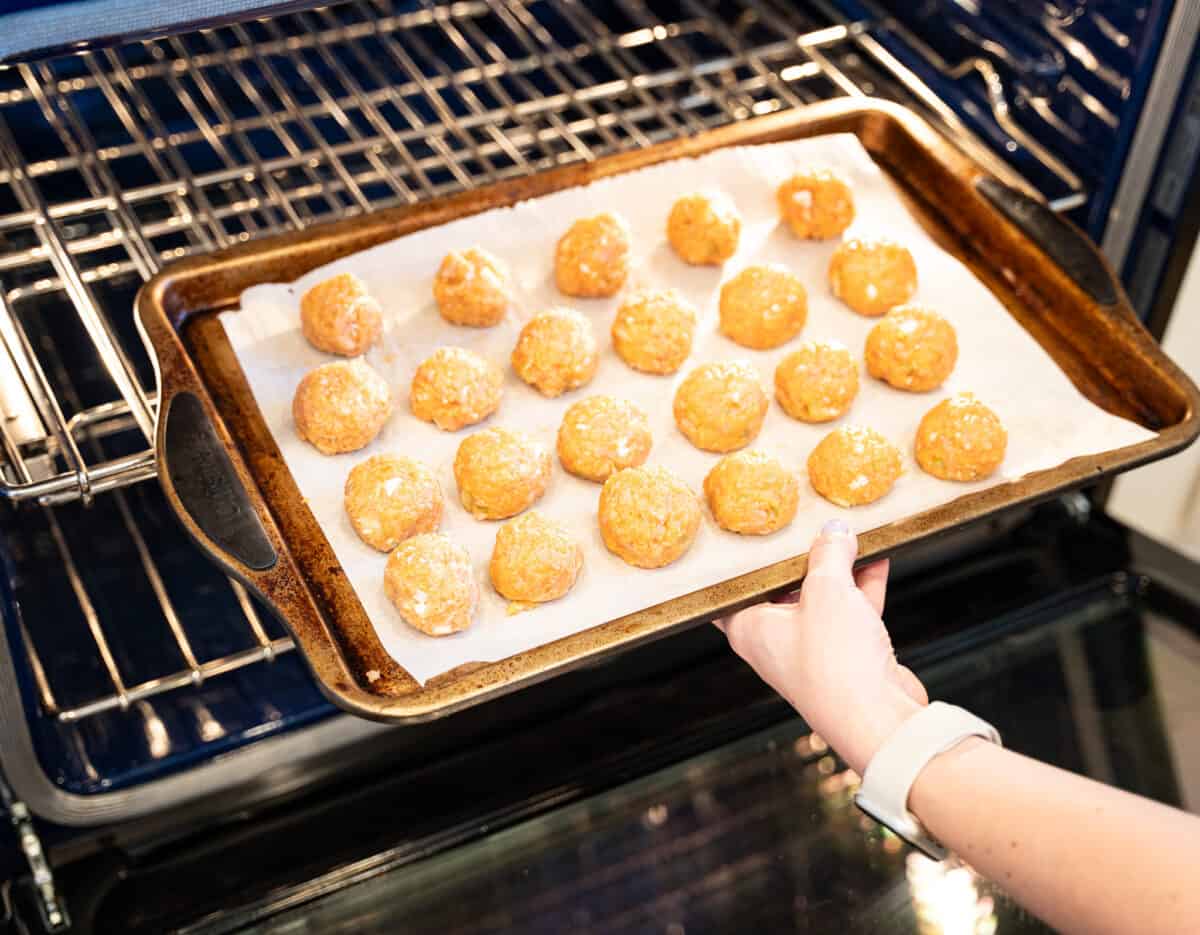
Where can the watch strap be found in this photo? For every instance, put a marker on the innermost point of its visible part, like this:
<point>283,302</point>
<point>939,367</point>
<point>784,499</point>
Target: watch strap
<point>891,773</point>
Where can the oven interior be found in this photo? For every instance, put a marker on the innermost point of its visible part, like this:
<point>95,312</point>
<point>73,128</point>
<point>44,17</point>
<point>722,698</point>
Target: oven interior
<point>132,671</point>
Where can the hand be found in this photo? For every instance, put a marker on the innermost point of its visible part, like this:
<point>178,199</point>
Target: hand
<point>828,653</point>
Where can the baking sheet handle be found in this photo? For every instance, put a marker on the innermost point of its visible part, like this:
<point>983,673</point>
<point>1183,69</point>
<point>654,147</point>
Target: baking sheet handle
<point>204,479</point>
<point>1068,246</point>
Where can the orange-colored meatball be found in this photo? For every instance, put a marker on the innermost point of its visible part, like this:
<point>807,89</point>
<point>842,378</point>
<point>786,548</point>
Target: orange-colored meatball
<point>341,406</point>
<point>653,331</point>
<point>648,516</point>
<point>454,387</point>
<point>853,466</point>
<point>961,439</point>
<point>535,559</point>
<point>872,275</point>
<point>430,581</point>
<point>817,382</point>
<point>339,316</point>
<point>500,472</point>
<point>752,493</point>
<point>601,435</point>
<point>816,204</point>
<point>389,498</point>
<point>763,307</point>
<point>592,257</point>
<point>912,348</point>
<point>704,227</point>
<point>556,352</point>
<point>472,288</point>
<point>721,406</point>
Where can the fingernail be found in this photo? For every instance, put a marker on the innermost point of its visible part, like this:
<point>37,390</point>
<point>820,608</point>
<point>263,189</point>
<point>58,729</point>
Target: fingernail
<point>835,527</point>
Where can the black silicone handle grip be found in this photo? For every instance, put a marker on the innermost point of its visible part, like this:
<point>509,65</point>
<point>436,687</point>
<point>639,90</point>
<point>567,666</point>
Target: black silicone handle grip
<point>1065,244</point>
<point>208,486</point>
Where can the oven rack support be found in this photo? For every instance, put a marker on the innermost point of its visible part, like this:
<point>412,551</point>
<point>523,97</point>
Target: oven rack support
<point>118,161</point>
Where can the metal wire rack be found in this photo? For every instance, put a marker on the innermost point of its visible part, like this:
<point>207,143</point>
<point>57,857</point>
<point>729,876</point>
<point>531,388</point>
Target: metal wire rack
<point>115,162</point>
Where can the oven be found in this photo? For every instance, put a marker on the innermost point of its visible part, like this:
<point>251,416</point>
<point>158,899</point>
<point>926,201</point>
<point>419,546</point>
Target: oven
<point>167,762</point>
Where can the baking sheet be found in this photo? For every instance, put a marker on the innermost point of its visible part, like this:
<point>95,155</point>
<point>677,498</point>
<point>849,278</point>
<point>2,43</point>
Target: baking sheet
<point>1048,420</point>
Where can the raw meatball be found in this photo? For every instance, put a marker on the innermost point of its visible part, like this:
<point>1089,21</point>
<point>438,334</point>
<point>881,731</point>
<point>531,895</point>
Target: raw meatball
<point>853,466</point>
<point>648,516</point>
<point>556,352</point>
<point>704,228</point>
<point>872,275</point>
<point>341,406</point>
<point>912,348</point>
<point>763,307</point>
<point>500,472</point>
<point>960,439</point>
<point>816,204</point>
<point>752,493</point>
<point>535,559</point>
<point>817,382</point>
<point>653,331</point>
<point>472,288</point>
<point>592,257</point>
<point>431,582</point>
<point>454,387</point>
<point>721,406</point>
<point>601,435</point>
<point>389,499</point>
<point>339,317</point>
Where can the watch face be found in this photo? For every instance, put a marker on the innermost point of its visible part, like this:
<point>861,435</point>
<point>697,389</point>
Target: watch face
<point>865,805</point>
<point>903,826</point>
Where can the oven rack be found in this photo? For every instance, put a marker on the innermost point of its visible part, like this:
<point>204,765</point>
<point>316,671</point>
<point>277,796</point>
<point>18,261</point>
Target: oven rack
<point>114,162</point>
<point>161,149</point>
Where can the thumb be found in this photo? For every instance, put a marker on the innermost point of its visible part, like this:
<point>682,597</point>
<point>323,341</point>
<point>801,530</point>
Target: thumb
<point>831,556</point>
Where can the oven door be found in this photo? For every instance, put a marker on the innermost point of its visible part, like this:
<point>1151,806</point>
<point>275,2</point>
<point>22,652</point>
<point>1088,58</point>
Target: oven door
<point>698,802</point>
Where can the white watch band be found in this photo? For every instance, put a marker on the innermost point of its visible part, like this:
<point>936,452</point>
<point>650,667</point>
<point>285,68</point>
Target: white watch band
<point>892,771</point>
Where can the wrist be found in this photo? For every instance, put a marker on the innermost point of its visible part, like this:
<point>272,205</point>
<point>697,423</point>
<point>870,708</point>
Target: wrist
<point>871,724</point>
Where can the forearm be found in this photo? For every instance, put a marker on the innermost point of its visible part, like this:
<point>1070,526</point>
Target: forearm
<point>1083,856</point>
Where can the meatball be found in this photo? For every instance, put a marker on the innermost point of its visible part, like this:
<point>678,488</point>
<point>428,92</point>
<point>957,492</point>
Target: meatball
<point>592,257</point>
<point>853,466</point>
<point>472,288</point>
<point>653,331</point>
<point>535,559</point>
<point>390,498</point>
<point>912,348</point>
<point>601,435</point>
<point>648,516</point>
<point>500,472</point>
<point>752,493</point>
<point>454,387</point>
<point>338,316</point>
<point>817,382</point>
<point>763,307</point>
<point>721,406</point>
<point>341,406</point>
<point>556,352</point>
<point>960,439</point>
<point>872,275</point>
<point>703,228</point>
<point>430,581</point>
<point>816,204</point>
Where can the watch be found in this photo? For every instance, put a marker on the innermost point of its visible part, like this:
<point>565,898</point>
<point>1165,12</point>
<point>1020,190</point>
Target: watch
<point>889,776</point>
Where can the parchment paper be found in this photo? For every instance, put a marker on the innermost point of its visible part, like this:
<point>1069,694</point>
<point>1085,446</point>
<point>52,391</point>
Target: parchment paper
<point>1048,421</point>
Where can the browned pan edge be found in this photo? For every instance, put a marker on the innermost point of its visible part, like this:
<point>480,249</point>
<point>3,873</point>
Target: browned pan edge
<point>1103,349</point>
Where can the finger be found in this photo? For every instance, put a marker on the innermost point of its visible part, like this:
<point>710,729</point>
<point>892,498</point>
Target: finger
<point>912,686</point>
<point>790,598</point>
<point>872,581</point>
<point>719,623</point>
<point>831,557</point>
